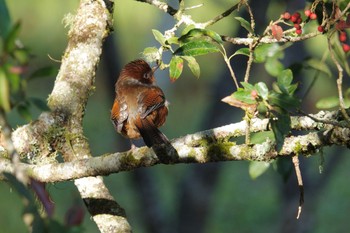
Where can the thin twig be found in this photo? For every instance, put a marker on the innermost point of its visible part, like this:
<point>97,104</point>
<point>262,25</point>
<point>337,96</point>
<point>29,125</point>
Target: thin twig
<point>315,77</point>
<point>194,7</point>
<point>250,12</point>
<point>339,81</point>
<point>295,160</point>
<point>221,16</point>
<point>250,61</point>
<point>252,45</point>
<point>161,5</point>
<point>227,61</point>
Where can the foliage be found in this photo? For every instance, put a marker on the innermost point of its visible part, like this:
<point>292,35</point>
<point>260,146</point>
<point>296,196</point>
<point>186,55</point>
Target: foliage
<point>280,101</point>
<point>276,99</point>
<point>14,61</point>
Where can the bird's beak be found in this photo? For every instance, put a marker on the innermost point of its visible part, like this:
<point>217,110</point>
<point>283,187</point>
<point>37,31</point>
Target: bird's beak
<point>155,67</point>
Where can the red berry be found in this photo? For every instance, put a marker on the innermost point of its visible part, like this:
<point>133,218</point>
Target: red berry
<point>299,20</point>
<point>341,25</point>
<point>307,12</point>
<point>297,14</point>
<point>346,47</point>
<point>342,36</point>
<point>286,15</point>
<point>297,26</point>
<point>295,17</point>
<point>313,16</point>
<point>298,31</point>
<point>320,28</point>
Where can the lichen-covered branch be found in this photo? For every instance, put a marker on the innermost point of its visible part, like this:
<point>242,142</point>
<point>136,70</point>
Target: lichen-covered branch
<point>213,145</point>
<point>61,130</point>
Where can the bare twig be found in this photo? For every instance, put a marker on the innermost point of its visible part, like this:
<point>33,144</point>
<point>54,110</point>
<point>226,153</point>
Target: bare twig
<point>227,61</point>
<point>315,77</point>
<point>161,5</point>
<point>339,81</point>
<point>221,16</point>
<point>250,12</point>
<point>295,160</point>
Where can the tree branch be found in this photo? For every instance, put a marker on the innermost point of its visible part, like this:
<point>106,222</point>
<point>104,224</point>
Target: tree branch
<point>161,5</point>
<point>203,147</point>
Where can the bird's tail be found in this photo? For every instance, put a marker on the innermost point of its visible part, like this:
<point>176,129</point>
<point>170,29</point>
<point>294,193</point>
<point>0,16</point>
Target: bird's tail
<point>151,134</point>
<point>154,138</point>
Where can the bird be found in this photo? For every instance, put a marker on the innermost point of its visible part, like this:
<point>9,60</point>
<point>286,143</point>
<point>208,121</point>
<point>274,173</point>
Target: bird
<point>140,107</point>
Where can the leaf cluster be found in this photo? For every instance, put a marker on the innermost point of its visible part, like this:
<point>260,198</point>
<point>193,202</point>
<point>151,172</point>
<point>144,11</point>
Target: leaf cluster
<point>14,60</point>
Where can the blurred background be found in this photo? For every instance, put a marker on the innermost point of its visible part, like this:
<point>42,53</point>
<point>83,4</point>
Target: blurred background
<point>218,197</point>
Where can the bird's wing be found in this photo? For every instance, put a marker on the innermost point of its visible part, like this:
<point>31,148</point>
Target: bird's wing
<point>151,101</point>
<point>119,113</point>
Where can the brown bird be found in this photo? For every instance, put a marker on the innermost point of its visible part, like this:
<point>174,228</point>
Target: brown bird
<point>139,107</point>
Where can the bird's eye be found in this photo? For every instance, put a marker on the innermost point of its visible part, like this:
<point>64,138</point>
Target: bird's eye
<point>147,75</point>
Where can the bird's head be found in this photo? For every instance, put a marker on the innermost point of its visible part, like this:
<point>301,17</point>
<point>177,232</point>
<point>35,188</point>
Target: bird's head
<point>138,70</point>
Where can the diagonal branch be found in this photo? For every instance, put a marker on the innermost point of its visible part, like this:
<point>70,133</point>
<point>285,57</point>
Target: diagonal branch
<point>61,130</point>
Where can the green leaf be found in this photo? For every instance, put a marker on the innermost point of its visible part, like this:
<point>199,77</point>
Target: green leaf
<point>256,168</point>
<point>212,34</point>
<point>196,48</point>
<point>4,92</point>
<point>247,86</point>
<point>273,66</point>
<point>244,23</point>
<point>283,101</point>
<point>14,81</point>
<point>173,40</point>
<point>10,39</point>
<point>262,90</point>
<point>159,37</point>
<point>187,29</point>
<point>21,55</point>
<point>193,65</point>
<point>175,69</point>
<point>244,96</point>
<point>262,52</point>
<point>242,51</point>
<point>197,33</point>
<point>151,54</point>
<point>5,20</point>
<point>284,80</point>
<point>328,102</point>
<point>46,71</point>
<point>318,65</point>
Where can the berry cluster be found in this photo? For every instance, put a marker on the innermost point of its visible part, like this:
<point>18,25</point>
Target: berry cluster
<point>341,26</point>
<point>342,39</point>
<point>296,19</point>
